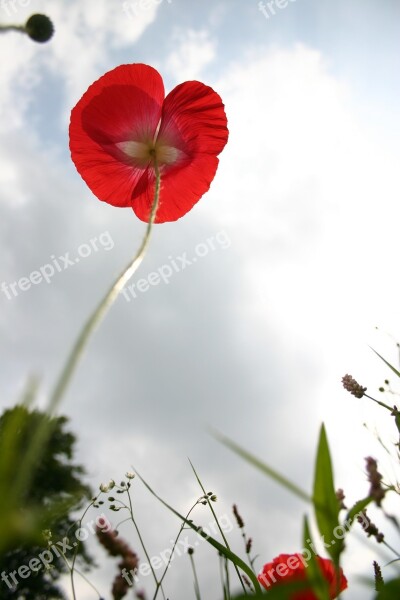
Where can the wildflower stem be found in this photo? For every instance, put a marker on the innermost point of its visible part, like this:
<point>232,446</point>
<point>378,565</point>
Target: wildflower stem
<point>219,527</point>
<point>391,548</point>
<point>159,584</point>
<point>379,402</point>
<point>196,580</point>
<point>73,568</point>
<point>223,550</point>
<point>88,581</point>
<point>222,571</point>
<point>228,586</point>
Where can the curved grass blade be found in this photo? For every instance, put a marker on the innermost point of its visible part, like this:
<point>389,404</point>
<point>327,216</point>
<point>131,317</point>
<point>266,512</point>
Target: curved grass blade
<point>387,363</point>
<point>395,412</point>
<point>261,466</point>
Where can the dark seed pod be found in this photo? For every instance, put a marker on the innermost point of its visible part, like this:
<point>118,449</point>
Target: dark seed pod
<point>39,28</point>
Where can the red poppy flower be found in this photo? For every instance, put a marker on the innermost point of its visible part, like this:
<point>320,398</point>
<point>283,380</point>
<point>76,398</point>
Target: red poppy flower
<point>292,567</point>
<point>123,121</point>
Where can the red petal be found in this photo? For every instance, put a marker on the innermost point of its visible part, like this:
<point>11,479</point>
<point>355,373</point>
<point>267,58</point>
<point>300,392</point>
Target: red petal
<point>181,188</point>
<point>124,104</point>
<point>269,576</point>
<point>194,121</point>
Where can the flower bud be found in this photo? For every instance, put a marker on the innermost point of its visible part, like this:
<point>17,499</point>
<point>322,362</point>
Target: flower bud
<point>39,28</point>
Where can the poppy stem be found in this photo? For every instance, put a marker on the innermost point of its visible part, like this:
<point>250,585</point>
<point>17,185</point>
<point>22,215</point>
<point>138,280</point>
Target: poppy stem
<point>99,313</point>
<point>4,28</point>
<point>44,431</point>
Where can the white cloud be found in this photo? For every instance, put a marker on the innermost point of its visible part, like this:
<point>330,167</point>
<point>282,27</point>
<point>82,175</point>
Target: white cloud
<point>87,36</point>
<point>303,192</point>
<point>193,51</point>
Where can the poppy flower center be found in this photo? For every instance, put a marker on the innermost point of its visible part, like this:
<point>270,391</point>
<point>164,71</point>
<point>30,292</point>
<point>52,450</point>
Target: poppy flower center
<point>144,153</point>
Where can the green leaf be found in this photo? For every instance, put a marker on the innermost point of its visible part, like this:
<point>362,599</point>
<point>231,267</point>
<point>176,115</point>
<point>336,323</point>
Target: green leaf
<point>326,504</point>
<point>390,590</point>
<point>282,591</point>
<point>356,509</point>
<point>314,575</point>
<point>236,560</point>
<point>267,470</point>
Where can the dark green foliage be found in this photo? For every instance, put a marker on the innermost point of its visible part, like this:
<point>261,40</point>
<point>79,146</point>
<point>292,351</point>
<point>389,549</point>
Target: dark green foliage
<point>389,590</point>
<point>54,491</point>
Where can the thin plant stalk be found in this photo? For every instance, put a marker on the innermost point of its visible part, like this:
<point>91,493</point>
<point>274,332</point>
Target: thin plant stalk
<point>73,568</point>
<point>196,579</point>
<point>219,527</point>
<point>5,28</point>
<point>157,582</point>
<point>104,305</point>
<point>182,527</point>
<point>222,569</point>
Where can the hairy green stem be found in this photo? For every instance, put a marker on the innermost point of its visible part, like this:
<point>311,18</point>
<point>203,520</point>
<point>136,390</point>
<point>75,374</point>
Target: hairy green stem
<point>97,316</point>
<point>44,431</point>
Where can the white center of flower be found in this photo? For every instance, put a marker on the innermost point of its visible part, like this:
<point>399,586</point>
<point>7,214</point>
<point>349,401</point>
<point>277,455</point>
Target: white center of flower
<point>143,153</point>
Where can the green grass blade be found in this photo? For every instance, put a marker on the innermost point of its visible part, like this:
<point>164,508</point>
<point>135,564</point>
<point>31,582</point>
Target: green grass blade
<point>266,469</point>
<point>394,413</point>
<point>387,363</point>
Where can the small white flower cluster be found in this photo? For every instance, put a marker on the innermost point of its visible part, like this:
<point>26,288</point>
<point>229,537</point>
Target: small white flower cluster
<point>106,487</point>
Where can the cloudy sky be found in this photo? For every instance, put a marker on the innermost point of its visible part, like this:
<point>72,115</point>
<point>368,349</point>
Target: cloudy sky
<point>293,252</point>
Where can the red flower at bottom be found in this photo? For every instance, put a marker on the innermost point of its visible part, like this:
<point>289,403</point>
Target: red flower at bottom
<point>290,568</point>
